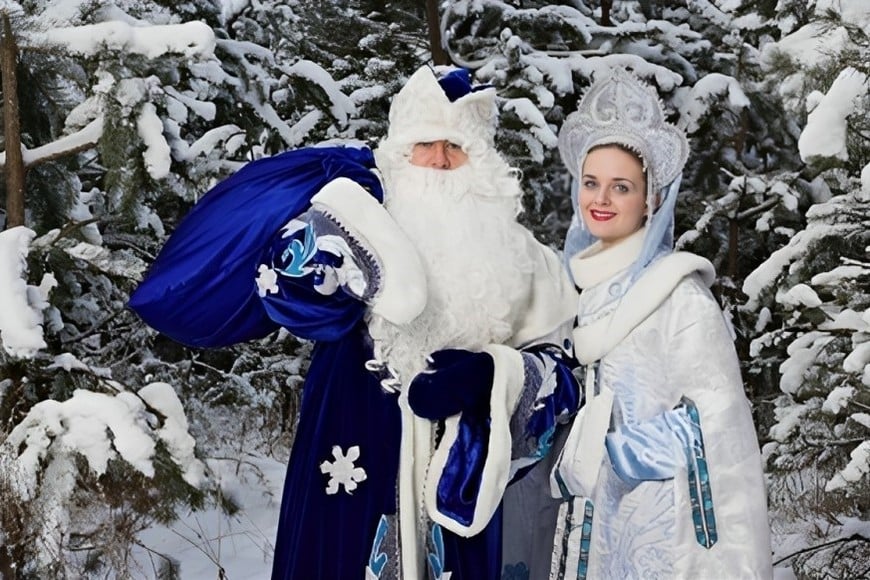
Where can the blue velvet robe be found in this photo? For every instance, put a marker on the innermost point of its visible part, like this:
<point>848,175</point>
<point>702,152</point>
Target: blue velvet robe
<point>333,536</point>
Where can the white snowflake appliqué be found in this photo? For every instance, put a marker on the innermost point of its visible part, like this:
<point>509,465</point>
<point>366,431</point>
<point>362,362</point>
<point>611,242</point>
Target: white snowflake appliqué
<point>342,471</point>
<point>267,281</point>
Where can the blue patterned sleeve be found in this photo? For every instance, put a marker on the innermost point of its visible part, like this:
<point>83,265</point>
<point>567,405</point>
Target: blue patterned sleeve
<point>657,449</point>
<point>552,394</point>
<point>313,278</point>
<point>485,447</point>
<point>654,449</point>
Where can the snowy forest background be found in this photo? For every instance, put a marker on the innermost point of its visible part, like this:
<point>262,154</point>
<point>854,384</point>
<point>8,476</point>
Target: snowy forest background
<point>127,455</point>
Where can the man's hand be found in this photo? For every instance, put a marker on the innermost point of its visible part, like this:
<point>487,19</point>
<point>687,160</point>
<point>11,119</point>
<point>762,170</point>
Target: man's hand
<point>456,381</point>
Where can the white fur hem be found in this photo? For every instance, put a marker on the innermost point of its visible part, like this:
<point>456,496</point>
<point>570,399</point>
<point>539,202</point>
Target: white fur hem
<point>401,296</point>
<point>507,387</point>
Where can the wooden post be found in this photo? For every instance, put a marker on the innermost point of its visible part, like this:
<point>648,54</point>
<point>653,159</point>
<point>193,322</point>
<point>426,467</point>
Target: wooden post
<point>14,167</point>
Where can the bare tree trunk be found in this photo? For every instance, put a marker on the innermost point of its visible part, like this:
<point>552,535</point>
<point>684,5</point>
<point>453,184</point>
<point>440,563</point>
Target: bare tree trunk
<point>439,55</point>
<point>733,246</point>
<point>12,130</point>
<point>6,563</point>
<point>606,5</point>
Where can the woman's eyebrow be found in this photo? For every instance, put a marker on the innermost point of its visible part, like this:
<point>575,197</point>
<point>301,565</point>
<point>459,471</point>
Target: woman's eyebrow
<point>593,176</point>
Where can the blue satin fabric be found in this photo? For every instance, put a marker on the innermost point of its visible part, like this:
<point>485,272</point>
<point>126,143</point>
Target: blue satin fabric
<point>653,449</point>
<point>201,289</point>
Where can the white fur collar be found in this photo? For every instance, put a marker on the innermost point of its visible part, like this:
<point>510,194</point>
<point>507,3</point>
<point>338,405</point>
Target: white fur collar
<point>599,336</point>
<point>596,264</point>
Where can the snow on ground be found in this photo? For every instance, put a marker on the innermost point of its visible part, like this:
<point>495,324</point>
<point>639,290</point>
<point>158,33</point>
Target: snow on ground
<point>206,543</point>
<point>242,546</point>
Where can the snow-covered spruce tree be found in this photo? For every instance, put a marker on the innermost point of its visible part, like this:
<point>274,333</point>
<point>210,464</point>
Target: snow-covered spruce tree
<point>743,172</point>
<point>370,47</point>
<point>75,434</point>
<point>542,55</point>
<point>527,54</point>
<point>811,306</point>
<point>131,126</point>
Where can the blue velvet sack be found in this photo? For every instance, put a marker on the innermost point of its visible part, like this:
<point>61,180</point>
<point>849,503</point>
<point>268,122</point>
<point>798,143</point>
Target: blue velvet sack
<point>201,289</point>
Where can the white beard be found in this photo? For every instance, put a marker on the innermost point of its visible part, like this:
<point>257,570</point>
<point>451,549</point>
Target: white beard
<point>463,224</point>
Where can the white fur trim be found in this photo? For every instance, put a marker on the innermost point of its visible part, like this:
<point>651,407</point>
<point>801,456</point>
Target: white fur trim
<point>507,387</point>
<point>553,300</point>
<point>596,263</point>
<point>596,339</point>
<point>401,296</point>
<point>582,455</point>
<point>417,434</point>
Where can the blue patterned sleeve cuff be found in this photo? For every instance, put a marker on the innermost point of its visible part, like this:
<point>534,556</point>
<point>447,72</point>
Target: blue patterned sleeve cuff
<point>313,278</point>
<point>551,396</point>
<point>313,249</point>
<point>657,448</point>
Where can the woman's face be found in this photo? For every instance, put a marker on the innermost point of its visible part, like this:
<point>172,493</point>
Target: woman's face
<point>612,194</point>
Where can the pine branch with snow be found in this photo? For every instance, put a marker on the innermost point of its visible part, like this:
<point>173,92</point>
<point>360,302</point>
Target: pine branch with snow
<point>812,306</point>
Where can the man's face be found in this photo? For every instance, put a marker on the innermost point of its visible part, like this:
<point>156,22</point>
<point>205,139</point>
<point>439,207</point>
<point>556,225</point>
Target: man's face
<point>438,155</point>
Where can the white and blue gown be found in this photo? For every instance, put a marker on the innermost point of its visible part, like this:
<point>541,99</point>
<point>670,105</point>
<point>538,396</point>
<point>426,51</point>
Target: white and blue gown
<point>661,474</point>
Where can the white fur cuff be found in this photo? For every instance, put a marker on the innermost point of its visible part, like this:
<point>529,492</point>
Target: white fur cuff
<point>507,387</point>
<point>401,294</point>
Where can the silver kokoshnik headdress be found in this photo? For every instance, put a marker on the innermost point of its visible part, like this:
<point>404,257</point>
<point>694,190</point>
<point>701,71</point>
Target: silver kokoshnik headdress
<point>620,109</point>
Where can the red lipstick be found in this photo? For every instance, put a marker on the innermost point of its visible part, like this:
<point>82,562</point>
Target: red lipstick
<point>601,216</point>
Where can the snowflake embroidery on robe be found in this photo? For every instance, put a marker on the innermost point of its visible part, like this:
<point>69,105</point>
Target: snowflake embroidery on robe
<point>342,471</point>
<point>267,281</point>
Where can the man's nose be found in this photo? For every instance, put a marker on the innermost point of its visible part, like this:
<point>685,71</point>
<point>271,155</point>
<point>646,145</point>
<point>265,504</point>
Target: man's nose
<point>440,160</point>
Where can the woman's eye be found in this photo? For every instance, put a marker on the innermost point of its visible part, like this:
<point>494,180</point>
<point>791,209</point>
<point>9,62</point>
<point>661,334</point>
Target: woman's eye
<point>453,146</point>
<point>589,184</point>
